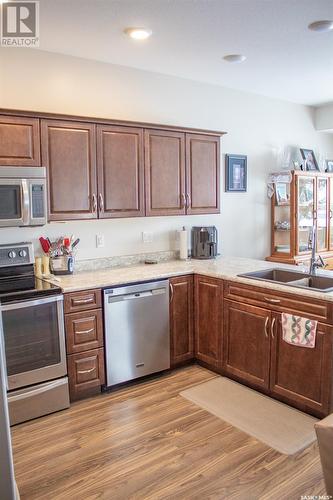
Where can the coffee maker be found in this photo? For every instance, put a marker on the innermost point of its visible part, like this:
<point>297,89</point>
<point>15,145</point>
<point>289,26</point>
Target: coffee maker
<point>204,242</point>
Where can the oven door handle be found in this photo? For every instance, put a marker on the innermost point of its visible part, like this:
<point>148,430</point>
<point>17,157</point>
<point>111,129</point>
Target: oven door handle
<point>38,390</point>
<point>3,350</point>
<point>25,202</point>
<point>31,303</point>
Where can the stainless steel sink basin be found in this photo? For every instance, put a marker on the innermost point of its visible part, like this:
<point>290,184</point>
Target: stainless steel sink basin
<point>293,278</point>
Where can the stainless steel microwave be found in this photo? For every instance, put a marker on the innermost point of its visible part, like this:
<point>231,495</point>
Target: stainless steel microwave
<point>22,196</point>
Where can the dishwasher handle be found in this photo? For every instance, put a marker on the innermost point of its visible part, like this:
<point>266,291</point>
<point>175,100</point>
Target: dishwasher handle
<point>137,295</point>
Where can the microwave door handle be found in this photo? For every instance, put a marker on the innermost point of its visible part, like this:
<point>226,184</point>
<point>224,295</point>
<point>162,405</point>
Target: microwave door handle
<point>25,202</point>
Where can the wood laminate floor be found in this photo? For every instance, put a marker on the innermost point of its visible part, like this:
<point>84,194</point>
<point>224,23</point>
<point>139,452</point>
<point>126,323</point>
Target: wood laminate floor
<point>147,442</point>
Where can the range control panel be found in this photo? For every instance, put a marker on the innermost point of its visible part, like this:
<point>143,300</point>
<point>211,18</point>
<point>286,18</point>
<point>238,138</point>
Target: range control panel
<point>16,254</point>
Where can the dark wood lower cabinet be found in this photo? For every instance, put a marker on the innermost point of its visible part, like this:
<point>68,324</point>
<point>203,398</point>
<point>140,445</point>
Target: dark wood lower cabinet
<point>208,299</point>
<point>302,376</point>
<point>247,343</point>
<point>84,331</point>
<point>86,373</point>
<point>181,320</point>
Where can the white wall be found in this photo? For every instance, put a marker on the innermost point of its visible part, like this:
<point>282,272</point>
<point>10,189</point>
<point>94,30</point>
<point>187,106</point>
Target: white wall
<point>257,126</point>
<point>324,117</point>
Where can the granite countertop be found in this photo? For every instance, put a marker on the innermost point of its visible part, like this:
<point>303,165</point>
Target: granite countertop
<point>226,268</point>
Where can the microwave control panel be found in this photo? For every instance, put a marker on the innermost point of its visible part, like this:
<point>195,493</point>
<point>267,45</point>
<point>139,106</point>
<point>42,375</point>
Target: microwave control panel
<point>37,199</point>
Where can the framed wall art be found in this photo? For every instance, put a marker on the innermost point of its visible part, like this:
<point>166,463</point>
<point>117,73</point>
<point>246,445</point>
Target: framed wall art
<point>235,173</point>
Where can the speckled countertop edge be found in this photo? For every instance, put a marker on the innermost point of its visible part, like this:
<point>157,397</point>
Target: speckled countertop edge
<point>224,268</point>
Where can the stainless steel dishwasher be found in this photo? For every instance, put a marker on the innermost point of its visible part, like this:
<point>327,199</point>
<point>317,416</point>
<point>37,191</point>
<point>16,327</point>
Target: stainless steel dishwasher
<point>137,340</point>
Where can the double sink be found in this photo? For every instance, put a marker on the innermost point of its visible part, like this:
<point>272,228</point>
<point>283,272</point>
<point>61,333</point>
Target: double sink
<point>296,279</point>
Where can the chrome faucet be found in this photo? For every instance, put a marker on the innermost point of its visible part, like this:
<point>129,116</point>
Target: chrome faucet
<point>315,262</point>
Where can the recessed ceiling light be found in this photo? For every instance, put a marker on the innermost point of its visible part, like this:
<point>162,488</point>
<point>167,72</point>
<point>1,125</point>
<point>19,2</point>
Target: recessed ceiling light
<point>234,58</point>
<point>321,26</point>
<point>138,33</point>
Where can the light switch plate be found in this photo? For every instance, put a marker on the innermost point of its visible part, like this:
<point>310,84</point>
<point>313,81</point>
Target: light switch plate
<point>99,240</point>
<point>147,237</point>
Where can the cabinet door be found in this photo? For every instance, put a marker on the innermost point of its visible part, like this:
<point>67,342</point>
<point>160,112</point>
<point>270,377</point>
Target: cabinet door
<point>247,343</point>
<point>302,376</point>
<point>331,214</point>
<point>305,203</point>
<point>19,141</point>
<point>322,213</point>
<point>165,172</point>
<point>86,373</point>
<point>181,319</point>
<point>120,171</point>
<point>69,154</point>
<point>202,174</point>
<point>208,296</point>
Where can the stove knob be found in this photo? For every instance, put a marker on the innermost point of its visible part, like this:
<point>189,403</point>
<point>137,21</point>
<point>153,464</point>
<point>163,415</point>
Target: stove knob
<point>12,254</point>
<point>23,253</point>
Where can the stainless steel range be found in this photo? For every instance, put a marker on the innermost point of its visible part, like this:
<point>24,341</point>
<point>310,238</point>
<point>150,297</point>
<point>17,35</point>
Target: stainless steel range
<point>33,337</point>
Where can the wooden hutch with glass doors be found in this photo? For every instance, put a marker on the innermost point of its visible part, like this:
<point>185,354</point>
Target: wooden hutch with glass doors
<point>307,200</point>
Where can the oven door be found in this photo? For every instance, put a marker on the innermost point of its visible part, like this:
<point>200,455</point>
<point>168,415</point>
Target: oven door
<point>34,341</point>
<point>14,202</point>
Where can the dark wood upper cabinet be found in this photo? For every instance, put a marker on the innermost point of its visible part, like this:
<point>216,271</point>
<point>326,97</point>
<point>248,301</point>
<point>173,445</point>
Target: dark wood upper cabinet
<point>247,343</point>
<point>19,141</point>
<point>208,298</point>
<point>69,155</point>
<point>202,174</point>
<point>181,319</point>
<point>302,376</point>
<point>165,172</point>
<point>120,171</point>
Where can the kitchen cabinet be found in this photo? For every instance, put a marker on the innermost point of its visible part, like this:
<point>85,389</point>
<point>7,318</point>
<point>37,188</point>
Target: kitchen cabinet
<point>208,299</point>
<point>69,155</point>
<point>181,320</point>
<point>19,141</point>
<point>247,343</point>
<point>84,342</point>
<point>255,352</point>
<point>84,331</point>
<point>202,174</point>
<point>182,173</point>
<point>302,376</point>
<point>165,172</point>
<point>86,373</point>
<point>120,171</point>
<point>308,202</point>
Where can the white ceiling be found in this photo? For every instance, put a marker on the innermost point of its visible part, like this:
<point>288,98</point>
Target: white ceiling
<point>190,37</point>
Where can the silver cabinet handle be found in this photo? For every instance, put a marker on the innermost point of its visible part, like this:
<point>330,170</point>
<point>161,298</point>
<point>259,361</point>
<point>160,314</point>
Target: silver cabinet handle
<point>171,292</point>
<point>87,371</point>
<point>182,201</point>
<point>188,197</point>
<point>84,332</point>
<point>94,203</point>
<point>272,301</point>
<point>272,328</point>
<point>77,302</point>
<point>101,202</point>
<point>265,328</point>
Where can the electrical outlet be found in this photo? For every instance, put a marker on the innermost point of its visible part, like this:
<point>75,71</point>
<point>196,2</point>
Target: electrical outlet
<point>99,240</point>
<point>147,237</point>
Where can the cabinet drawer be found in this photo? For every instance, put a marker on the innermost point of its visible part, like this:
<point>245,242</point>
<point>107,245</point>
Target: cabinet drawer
<point>80,301</point>
<point>86,373</point>
<point>279,301</point>
<point>84,331</point>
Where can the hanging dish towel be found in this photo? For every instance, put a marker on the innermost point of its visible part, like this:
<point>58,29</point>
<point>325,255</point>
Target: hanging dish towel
<point>299,331</point>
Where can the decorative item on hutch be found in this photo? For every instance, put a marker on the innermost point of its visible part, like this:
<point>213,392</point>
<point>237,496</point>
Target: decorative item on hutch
<point>300,199</point>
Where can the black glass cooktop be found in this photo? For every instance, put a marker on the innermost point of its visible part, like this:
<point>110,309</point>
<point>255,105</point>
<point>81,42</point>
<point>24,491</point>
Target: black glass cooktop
<point>24,288</point>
